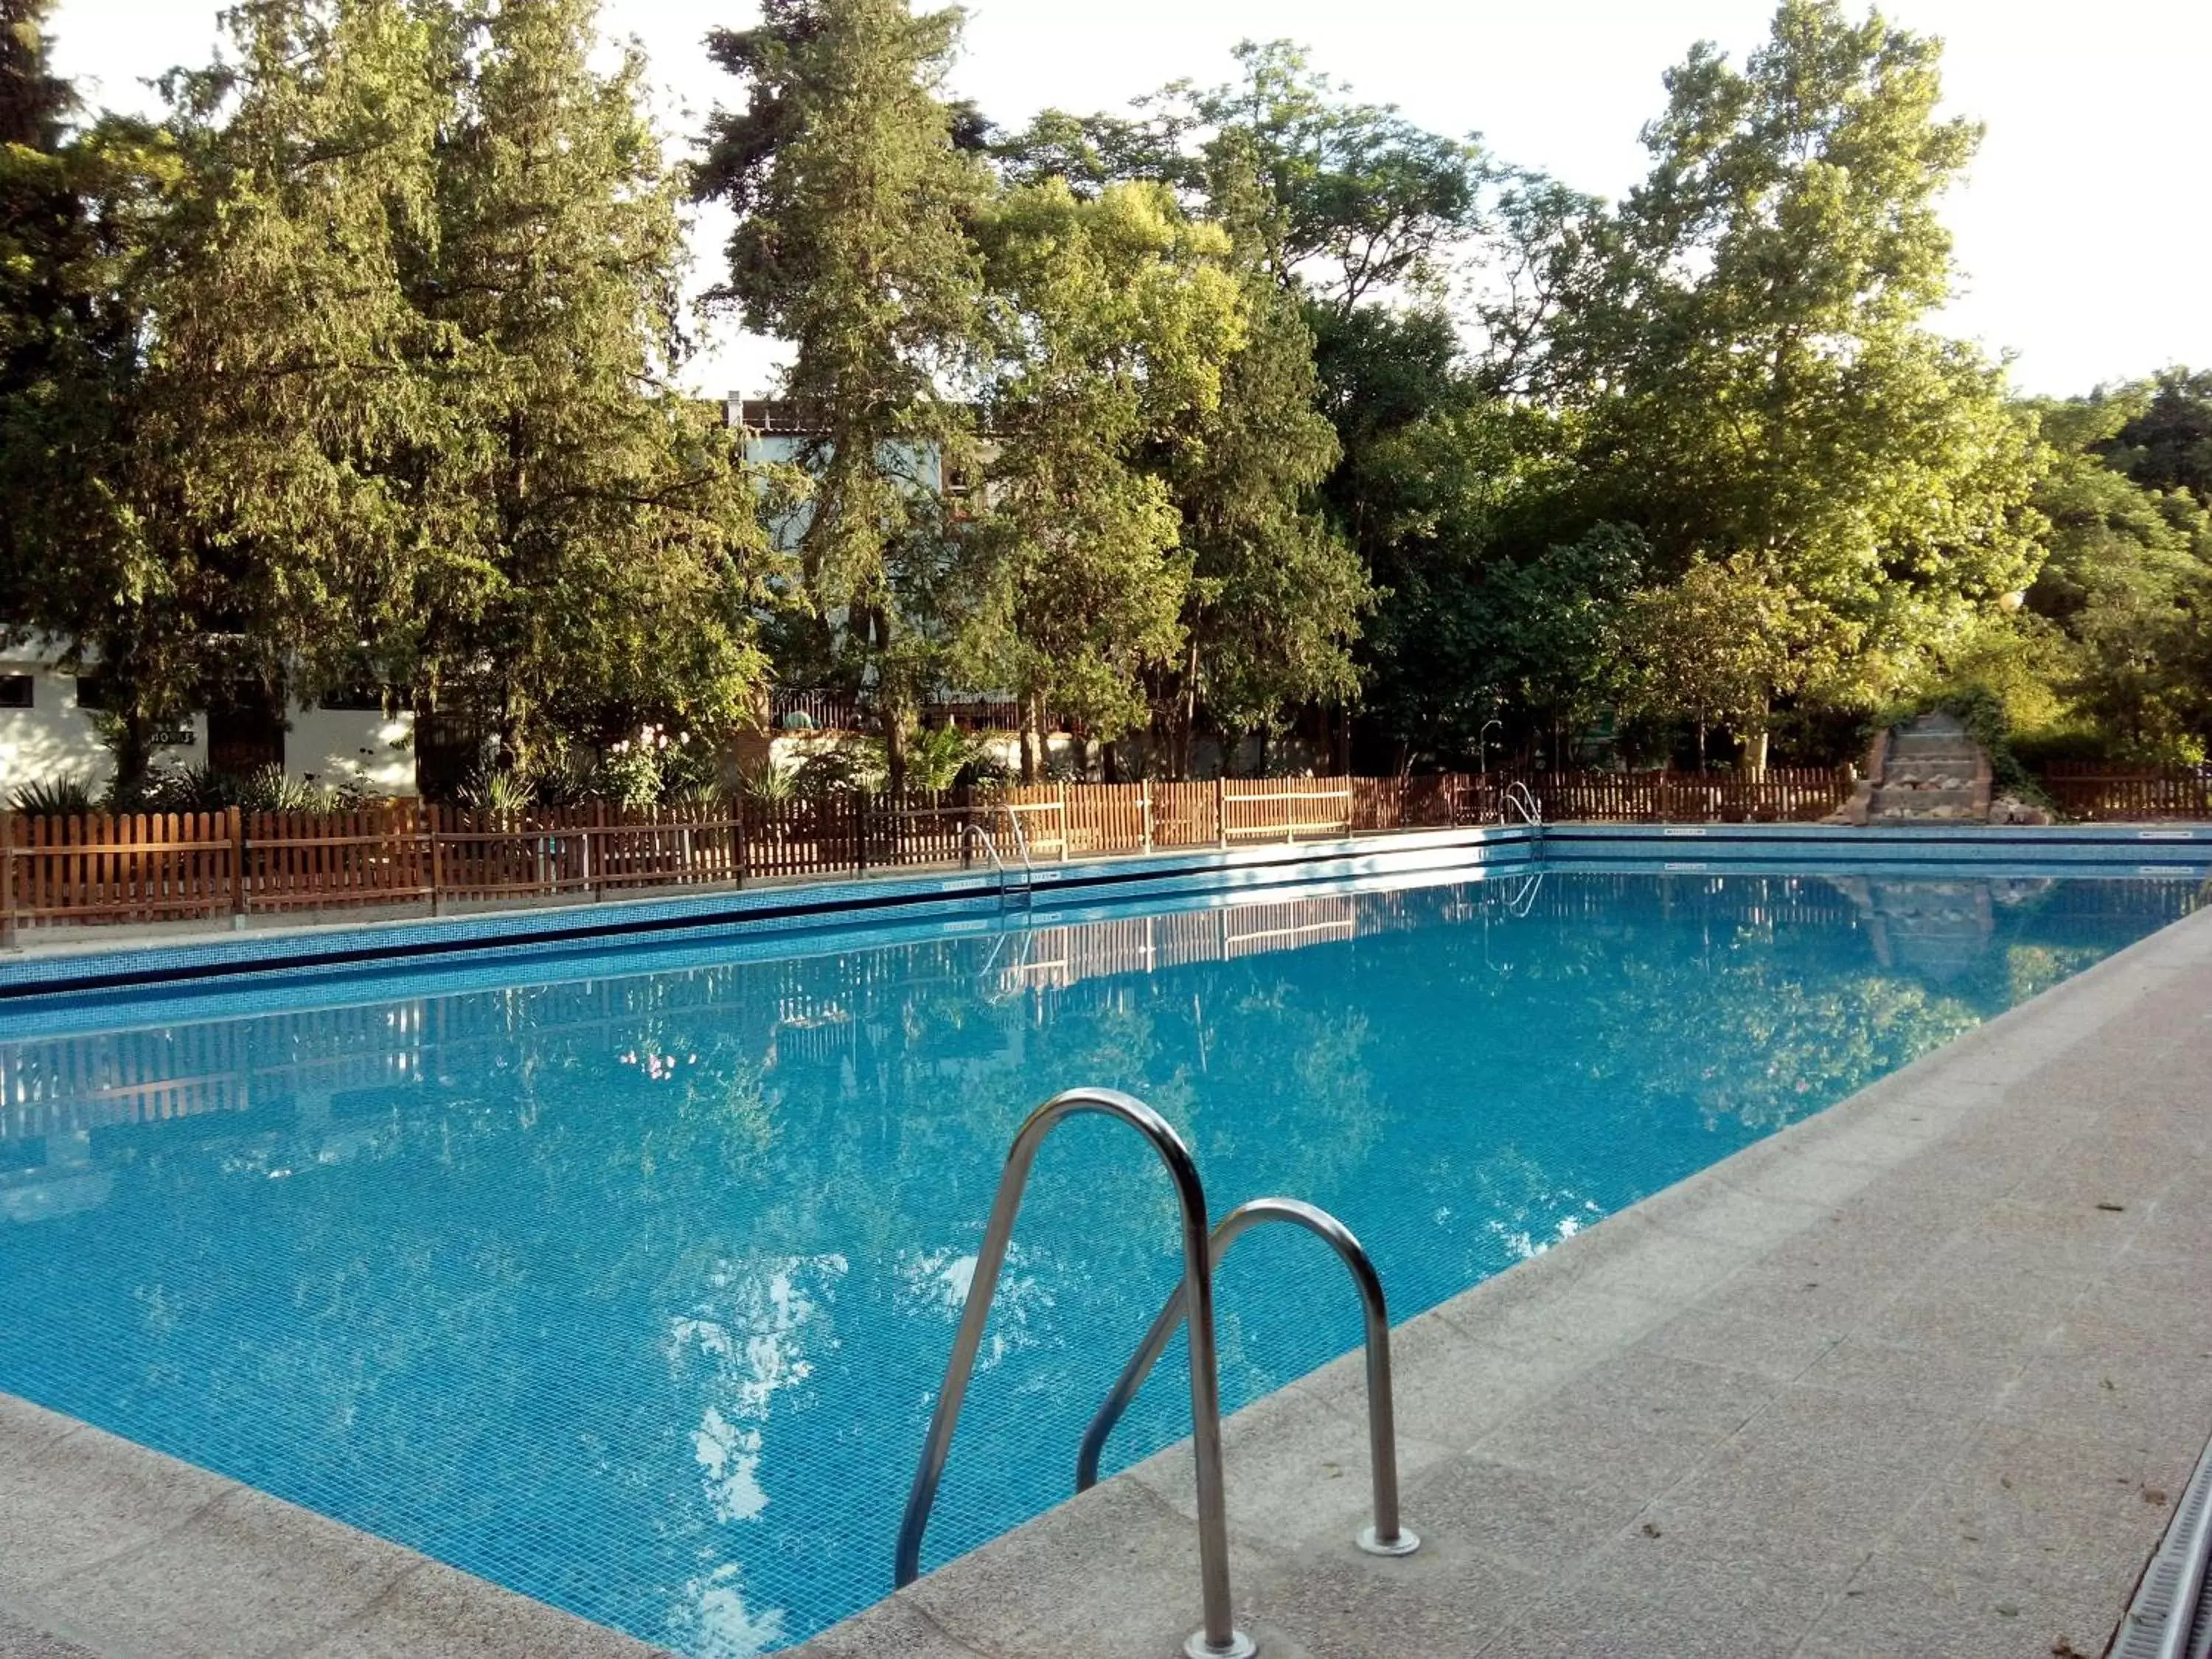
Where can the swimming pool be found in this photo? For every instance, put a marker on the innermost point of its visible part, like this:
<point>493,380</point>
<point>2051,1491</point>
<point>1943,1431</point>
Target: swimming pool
<point>628,1286</point>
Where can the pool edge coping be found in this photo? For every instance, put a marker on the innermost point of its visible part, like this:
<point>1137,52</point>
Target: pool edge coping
<point>74,965</point>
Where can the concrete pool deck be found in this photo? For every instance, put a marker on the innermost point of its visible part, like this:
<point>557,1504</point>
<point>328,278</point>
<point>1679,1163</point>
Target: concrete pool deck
<point>1919,1376</point>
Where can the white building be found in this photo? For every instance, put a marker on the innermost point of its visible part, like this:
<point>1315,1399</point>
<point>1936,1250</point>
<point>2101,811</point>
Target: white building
<point>49,733</point>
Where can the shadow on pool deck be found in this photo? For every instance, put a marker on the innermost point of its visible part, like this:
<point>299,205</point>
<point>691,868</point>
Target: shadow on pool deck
<point>1920,1376</point>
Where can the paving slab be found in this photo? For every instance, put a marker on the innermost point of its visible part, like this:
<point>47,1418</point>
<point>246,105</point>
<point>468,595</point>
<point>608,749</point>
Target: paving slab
<point>111,1550</point>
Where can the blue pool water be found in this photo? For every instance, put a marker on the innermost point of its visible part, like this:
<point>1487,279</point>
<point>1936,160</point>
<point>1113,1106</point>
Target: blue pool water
<point>630,1287</point>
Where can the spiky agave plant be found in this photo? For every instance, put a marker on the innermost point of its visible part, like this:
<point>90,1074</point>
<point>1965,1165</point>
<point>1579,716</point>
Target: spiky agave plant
<point>66,797</point>
<point>502,793</point>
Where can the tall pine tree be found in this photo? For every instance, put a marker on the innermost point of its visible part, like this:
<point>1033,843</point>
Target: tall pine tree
<point>601,552</point>
<point>851,244</point>
<point>233,373</point>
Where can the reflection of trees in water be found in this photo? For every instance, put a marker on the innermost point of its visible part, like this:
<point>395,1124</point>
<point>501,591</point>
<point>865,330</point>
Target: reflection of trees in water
<point>669,1251</point>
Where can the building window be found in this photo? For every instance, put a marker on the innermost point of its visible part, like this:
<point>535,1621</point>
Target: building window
<point>91,693</point>
<point>15,691</point>
<point>366,699</point>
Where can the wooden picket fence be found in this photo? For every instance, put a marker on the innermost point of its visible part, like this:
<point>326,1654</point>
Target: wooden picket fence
<point>2109,795</point>
<point>152,868</point>
<point>1779,795</point>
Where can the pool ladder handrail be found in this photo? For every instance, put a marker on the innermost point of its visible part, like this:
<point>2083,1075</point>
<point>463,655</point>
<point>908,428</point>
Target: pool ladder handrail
<point>1387,1535</point>
<point>974,831</point>
<point>1521,902</point>
<point>1522,800</point>
<point>1218,1637</point>
<point>1018,832</point>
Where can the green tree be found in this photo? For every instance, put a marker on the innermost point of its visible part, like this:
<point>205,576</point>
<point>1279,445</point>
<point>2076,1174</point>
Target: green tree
<point>2128,578</point>
<point>1326,202</point>
<point>1276,596</point>
<point>851,246</point>
<point>2167,444</point>
<point>80,216</point>
<point>1716,646</point>
<point>1369,203</point>
<point>599,547</point>
<point>1753,372</point>
<point>1115,318</point>
<point>231,378</point>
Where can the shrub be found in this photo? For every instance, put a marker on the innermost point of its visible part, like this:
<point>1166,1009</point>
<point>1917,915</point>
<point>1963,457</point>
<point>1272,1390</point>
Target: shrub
<point>936,757</point>
<point>650,768</point>
<point>59,797</point>
<point>568,779</point>
<point>844,770</point>
<point>767,784</point>
<point>497,791</point>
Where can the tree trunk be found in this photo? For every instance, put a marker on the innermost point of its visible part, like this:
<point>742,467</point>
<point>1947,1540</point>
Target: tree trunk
<point>1032,736</point>
<point>134,752</point>
<point>1189,712</point>
<point>1754,747</point>
<point>1701,747</point>
<point>894,718</point>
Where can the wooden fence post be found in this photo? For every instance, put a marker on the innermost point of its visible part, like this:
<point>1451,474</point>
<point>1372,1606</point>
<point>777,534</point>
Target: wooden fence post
<point>744,846</point>
<point>860,831</point>
<point>237,866</point>
<point>436,821</point>
<point>1065,837</point>
<point>1144,804</point>
<point>7,881</point>
<point>1220,812</point>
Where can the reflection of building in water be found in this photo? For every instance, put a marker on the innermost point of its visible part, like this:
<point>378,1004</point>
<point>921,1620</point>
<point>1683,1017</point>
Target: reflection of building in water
<point>320,1075</point>
<point>1057,957</point>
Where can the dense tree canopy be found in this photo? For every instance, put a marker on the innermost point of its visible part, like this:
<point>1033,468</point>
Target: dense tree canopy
<point>601,555</point>
<point>1114,318</point>
<point>1254,409</point>
<point>852,245</point>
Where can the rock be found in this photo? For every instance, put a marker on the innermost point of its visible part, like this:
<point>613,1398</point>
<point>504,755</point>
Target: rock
<point>2011,809</point>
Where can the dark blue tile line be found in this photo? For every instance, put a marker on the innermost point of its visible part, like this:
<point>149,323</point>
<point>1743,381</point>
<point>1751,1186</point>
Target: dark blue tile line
<point>1875,842</point>
<point>941,897</point>
<point>238,995</point>
<point>257,953</point>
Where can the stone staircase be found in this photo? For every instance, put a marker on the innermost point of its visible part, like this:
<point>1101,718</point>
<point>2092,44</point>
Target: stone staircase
<point>1926,771</point>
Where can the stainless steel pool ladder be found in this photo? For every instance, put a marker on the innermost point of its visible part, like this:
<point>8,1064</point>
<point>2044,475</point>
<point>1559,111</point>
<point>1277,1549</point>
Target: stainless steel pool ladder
<point>1192,1304</point>
<point>983,838</point>
<point>1521,799</point>
<point>1218,1637</point>
<point>1388,1535</point>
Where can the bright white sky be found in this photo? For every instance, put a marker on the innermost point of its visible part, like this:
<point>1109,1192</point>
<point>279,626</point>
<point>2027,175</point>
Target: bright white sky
<point>2082,242</point>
